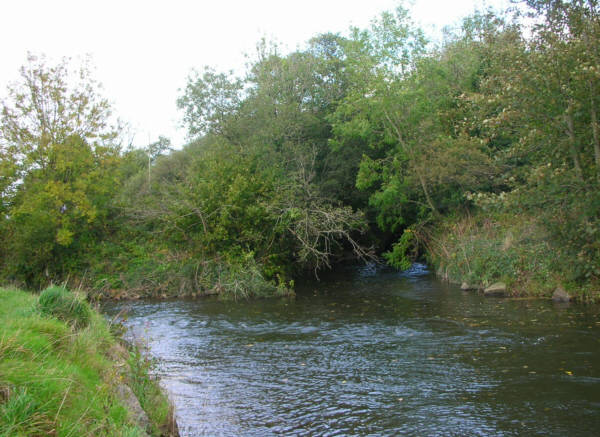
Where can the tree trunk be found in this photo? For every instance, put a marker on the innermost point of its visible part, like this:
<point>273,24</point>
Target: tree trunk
<point>408,152</point>
<point>427,196</point>
<point>594,121</point>
<point>572,142</point>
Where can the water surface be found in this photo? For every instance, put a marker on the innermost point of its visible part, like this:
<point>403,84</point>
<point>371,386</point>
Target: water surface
<point>366,352</point>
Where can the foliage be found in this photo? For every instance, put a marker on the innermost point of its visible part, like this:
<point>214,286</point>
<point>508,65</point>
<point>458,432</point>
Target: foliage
<point>493,247</point>
<point>369,142</point>
<point>19,415</point>
<point>59,171</point>
<point>497,245</point>
<point>250,192</point>
<point>209,99</point>
<point>398,257</point>
<point>49,104</point>
<point>541,100</point>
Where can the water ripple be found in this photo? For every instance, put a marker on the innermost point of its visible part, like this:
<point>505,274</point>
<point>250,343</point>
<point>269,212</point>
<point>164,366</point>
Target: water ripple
<point>381,353</point>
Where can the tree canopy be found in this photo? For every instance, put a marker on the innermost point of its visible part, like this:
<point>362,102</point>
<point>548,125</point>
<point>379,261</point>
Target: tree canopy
<point>356,145</point>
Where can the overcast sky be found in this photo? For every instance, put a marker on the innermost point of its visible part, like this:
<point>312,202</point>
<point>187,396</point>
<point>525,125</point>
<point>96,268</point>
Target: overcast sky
<point>143,50</point>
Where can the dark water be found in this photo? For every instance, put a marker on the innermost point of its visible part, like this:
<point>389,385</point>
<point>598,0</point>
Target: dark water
<point>372,353</point>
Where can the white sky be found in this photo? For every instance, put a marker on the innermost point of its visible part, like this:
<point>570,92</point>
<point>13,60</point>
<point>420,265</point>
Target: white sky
<point>143,50</point>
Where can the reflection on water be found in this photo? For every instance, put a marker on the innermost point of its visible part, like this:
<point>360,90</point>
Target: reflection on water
<point>376,353</point>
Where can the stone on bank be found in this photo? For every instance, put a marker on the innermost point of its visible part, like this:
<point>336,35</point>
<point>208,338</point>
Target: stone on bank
<point>495,290</point>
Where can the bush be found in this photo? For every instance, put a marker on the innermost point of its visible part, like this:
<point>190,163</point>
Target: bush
<point>239,278</point>
<point>64,305</point>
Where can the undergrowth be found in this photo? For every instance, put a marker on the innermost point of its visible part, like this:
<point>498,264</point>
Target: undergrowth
<point>163,273</point>
<point>497,246</point>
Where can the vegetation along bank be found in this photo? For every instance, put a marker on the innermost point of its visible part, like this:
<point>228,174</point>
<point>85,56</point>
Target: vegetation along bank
<point>480,154</point>
<point>64,372</point>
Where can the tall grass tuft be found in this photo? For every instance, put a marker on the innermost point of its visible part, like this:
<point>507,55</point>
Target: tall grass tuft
<point>20,415</point>
<point>64,305</point>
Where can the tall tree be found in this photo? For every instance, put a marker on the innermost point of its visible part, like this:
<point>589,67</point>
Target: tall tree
<point>59,161</point>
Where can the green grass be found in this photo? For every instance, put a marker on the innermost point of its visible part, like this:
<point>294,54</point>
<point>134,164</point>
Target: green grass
<point>64,305</point>
<point>149,393</point>
<point>58,377</point>
<point>512,248</point>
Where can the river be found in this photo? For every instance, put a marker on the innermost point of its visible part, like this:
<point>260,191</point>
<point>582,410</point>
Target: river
<point>370,352</point>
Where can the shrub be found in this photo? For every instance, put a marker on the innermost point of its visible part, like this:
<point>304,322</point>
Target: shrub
<point>240,278</point>
<point>64,305</point>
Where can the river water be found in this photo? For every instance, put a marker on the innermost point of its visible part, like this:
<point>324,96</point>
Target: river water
<point>368,352</point>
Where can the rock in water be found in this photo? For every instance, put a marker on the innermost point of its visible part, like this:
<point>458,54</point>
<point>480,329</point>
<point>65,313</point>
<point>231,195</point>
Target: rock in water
<point>496,290</point>
<point>560,295</point>
<point>466,287</point>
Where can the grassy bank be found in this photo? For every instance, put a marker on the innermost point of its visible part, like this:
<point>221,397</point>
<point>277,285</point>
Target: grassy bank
<point>515,249</point>
<point>138,270</point>
<point>61,370</point>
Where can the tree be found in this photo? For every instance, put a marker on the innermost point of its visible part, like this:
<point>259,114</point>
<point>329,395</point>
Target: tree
<point>59,169</point>
<point>208,101</point>
<point>544,90</point>
<point>406,112</point>
<point>271,127</point>
<point>155,149</point>
<point>49,104</point>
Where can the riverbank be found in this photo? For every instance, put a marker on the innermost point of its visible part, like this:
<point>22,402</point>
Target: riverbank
<point>515,250</point>
<point>64,372</point>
